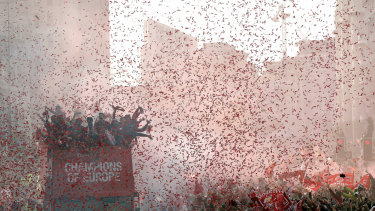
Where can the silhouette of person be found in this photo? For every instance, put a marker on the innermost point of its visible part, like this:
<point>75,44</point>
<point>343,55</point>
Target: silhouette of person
<point>90,126</point>
<point>130,131</point>
<point>115,129</point>
<point>60,132</point>
<point>90,138</point>
<point>46,124</point>
<point>76,114</point>
<point>137,112</point>
<point>138,131</point>
<point>99,130</point>
<point>76,133</point>
<point>52,131</point>
<point>58,111</point>
<point>135,131</point>
<point>126,128</point>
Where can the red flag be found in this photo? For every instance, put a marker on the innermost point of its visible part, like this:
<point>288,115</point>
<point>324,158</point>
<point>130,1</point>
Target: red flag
<point>269,170</point>
<point>286,201</point>
<point>278,203</point>
<point>324,175</point>
<point>275,200</point>
<point>365,181</point>
<point>256,199</point>
<point>299,205</point>
<point>312,185</point>
<point>348,180</point>
<point>271,200</point>
<point>282,202</point>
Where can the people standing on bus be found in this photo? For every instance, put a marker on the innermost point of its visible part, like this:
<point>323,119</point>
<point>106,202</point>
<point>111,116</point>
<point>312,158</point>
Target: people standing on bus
<point>90,126</point>
<point>90,141</point>
<point>61,132</point>
<point>135,131</point>
<point>130,131</point>
<point>100,127</point>
<point>114,127</point>
<point>76,133</point>
<point>58,111</point>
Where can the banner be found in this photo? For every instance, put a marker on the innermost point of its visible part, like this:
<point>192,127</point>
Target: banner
<point>312,185</point>
<point>348,180</point>
<point>273,200</point>
<point>103,172</point>
<point>365,181</point>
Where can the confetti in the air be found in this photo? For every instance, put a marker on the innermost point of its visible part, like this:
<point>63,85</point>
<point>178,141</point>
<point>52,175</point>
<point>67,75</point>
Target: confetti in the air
<point>187,104</point>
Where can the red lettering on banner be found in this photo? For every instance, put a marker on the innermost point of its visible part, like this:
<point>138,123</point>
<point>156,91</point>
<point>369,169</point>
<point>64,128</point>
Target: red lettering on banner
<point>365,181</point>
<point>337,180</point>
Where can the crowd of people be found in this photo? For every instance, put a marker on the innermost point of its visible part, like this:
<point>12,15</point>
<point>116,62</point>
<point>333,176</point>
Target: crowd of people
<point>28,204</point>
<point>326,198</point>
<point>64,132</point>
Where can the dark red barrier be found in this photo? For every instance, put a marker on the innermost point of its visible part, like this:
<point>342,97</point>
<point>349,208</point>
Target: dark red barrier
<point>105,172</point>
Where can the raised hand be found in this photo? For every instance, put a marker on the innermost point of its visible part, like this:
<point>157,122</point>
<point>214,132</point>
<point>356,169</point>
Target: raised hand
<point>40,117</point>
<point>142,119</point>
<point>120,108</point>
<point>117,108</point>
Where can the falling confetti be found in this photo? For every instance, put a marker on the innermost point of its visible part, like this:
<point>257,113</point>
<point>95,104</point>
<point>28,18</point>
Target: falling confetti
<point>233,94</point>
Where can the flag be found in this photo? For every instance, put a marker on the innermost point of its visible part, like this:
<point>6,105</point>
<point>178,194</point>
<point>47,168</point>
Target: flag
<point>255,198</point>
<point>274,200</point>
<point>312,185</point>
<point>283,202</point>
<point>299,205</point>
<point>278,203</point>
<point>365,181</point>
<point>336,179</point>
<point>324,175</point>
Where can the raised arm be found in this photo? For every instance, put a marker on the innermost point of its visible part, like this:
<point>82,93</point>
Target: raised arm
<point>114,113</point>
<point>39,132</point>
<point>50,110</point>
<point>115,109</point>
<point>137,122</point>
<point>76,113</point>
<point>137,112</point>
<point>41,118</point>
<point>60,113</point>
<point>144,128</point>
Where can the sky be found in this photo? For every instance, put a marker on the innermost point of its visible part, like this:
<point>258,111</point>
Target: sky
<point>249,26</point>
